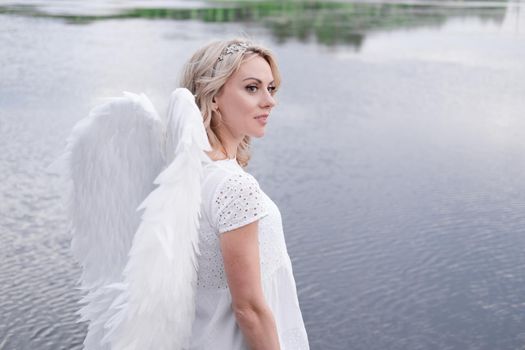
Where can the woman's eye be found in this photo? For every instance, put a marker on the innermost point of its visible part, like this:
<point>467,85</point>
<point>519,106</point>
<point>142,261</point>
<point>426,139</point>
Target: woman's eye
<point>254,88</point>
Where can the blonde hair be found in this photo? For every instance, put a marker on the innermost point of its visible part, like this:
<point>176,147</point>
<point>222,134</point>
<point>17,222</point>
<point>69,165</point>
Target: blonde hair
<point>205,75</point>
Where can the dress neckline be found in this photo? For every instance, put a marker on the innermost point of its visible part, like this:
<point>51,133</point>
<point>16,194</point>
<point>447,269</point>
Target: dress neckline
<point>223,160</point>
<point>234,159</point>
<point>228,163</point>
<point>226,160</point>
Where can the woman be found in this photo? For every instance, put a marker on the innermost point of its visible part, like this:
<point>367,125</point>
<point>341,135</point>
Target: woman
<point>246,294</point>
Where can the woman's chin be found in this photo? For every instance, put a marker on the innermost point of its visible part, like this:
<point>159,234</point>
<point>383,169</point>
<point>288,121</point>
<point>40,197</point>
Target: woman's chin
<point>258,133</point>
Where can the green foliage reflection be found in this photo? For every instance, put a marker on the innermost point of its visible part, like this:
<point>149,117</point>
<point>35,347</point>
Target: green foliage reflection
<point>326,22</point>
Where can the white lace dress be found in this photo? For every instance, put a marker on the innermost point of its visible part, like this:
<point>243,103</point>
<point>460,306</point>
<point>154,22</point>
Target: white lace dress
<point>232,198</point>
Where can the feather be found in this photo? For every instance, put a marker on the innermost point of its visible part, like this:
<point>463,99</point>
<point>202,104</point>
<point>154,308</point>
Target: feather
<point>139,272</point>
<point>111,160</point>
<point>114,156</point>
<point>156,307</point>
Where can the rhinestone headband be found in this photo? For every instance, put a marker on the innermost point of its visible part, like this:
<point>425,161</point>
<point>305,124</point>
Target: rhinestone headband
<point>237,47</point>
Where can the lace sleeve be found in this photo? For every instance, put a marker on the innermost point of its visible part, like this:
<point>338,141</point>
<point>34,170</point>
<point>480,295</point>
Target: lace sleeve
<point>238,202</point>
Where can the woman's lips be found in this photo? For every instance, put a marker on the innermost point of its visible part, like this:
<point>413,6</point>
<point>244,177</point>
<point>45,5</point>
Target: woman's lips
<point>262,119</point>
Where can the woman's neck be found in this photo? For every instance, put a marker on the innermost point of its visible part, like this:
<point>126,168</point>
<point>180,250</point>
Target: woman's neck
<point>227,148</point>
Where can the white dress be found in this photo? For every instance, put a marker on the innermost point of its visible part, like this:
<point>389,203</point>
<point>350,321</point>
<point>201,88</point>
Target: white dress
<point>232,198</point>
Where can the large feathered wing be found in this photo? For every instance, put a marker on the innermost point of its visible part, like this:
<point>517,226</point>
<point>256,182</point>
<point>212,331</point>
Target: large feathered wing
<point>155,308</point>
<point>111,160</point>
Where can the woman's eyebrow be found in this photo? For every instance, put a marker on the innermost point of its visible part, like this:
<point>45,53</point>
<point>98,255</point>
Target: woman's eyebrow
<point>258,80</point>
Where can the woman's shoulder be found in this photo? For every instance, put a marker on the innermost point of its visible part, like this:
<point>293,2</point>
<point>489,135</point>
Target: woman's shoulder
<point>229,194</point>
<point>235,201</point>
<point>219,174</point>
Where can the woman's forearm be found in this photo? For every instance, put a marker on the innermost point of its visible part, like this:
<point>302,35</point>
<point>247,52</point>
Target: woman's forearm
<point>259,328</point>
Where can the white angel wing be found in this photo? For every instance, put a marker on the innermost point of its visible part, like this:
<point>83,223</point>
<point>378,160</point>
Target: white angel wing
<point>156,305</point>
<point>115,154</point>
<point>112,158</point>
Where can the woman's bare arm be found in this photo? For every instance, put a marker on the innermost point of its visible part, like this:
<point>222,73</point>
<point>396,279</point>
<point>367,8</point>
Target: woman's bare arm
<point>240,251</point>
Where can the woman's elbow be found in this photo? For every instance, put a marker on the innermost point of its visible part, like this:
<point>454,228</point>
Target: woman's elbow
<point>251,313</point>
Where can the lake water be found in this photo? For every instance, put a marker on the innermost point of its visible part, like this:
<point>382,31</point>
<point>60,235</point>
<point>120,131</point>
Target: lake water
<point>396,156</point>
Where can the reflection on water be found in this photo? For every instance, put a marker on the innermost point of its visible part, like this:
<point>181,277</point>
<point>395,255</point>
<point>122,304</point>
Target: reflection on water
<point>398,166</point>
<point>326,22</point>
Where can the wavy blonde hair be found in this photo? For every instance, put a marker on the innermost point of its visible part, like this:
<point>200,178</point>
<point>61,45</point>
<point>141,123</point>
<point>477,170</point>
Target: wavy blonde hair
<point>204,75</point>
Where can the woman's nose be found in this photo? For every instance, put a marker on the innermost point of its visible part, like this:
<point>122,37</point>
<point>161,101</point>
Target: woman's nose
<point>269,100</point>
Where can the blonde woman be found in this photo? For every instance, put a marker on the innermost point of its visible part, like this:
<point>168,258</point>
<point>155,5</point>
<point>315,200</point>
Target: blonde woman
<point>246,294</point>
<point>179,246</point>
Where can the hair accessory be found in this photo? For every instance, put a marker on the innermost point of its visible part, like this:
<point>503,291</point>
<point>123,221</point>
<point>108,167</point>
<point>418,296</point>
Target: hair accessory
<point>236,47</point>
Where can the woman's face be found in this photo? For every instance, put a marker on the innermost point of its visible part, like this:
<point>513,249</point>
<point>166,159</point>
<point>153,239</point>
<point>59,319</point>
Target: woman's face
<point>246,98</point>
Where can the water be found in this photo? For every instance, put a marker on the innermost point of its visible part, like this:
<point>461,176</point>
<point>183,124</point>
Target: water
<point>395,155</point>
